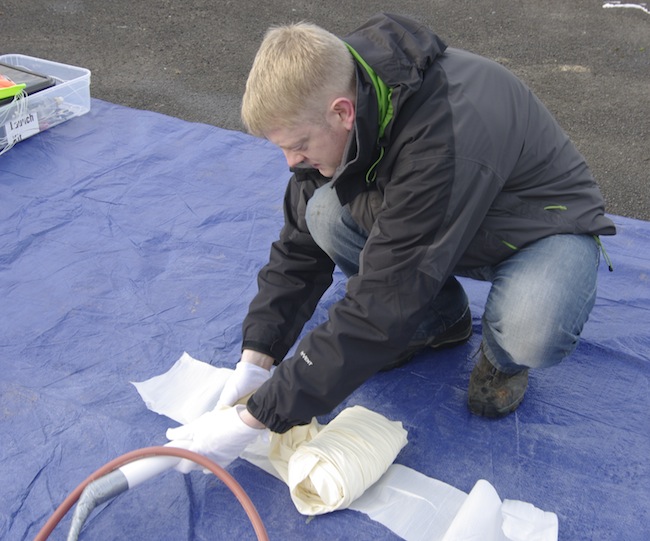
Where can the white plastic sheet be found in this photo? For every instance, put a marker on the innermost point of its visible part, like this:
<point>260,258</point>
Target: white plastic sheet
<point>188,389</point>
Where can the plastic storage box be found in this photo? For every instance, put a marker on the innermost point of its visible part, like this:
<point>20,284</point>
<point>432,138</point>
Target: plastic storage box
<point>69,97</point>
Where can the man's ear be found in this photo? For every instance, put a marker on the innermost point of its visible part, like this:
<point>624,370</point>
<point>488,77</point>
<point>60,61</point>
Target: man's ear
<point>343,111</point>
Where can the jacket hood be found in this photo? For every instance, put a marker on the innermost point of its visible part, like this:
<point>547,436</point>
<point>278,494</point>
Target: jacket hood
<point>398,49</point>
<point>392,53</point>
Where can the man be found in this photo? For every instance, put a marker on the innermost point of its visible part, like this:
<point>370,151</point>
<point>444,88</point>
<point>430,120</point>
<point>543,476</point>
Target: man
<point>413,162</point>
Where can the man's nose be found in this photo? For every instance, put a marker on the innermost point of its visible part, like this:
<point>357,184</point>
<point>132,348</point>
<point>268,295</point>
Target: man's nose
<point>293,158</point>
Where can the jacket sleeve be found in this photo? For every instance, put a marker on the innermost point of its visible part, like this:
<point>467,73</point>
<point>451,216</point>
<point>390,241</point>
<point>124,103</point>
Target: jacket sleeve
<point>291,284</point>
<point>418,237</point>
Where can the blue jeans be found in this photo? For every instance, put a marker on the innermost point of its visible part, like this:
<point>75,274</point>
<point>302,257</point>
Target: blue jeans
<point>539,301</point>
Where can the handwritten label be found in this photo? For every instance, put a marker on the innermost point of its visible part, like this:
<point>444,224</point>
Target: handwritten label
<point>21,128</point>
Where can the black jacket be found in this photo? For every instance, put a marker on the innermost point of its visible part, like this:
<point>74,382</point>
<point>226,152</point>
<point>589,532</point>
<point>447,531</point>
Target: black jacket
<point>471,168</point>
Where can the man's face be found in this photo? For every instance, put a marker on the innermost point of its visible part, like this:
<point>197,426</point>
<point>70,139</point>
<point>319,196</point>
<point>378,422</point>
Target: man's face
<point>317,144</point>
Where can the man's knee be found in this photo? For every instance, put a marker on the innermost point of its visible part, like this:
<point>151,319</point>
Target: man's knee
<point>525,339</point>
<point>321,215</point>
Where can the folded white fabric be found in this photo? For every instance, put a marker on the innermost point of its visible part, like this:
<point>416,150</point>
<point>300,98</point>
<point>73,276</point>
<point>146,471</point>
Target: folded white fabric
<point>327,467</point>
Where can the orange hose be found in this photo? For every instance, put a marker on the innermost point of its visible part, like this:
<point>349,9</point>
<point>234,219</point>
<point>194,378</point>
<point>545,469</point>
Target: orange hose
<point>208,464</point>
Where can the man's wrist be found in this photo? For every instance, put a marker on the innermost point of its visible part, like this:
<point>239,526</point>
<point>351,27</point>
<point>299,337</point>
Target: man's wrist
<point>257,358</point>
<point>248,419</point>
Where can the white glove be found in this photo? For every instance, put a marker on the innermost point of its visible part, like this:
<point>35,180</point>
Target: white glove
<point>219,435</point>
<point>246,379</point>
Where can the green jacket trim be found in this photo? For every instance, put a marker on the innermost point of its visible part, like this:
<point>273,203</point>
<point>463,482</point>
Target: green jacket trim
<point>384,104</point>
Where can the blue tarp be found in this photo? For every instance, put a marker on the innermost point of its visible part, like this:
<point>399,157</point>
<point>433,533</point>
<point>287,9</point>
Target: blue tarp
<point>128,237</point>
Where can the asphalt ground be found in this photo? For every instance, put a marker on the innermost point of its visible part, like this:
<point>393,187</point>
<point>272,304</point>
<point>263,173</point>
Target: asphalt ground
<point>590,65</point>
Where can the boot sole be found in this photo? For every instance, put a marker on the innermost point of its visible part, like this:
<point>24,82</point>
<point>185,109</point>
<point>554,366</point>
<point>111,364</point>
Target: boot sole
<point>486,410</point>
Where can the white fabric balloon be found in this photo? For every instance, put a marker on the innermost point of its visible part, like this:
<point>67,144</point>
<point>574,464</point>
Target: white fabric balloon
<point>327,467</point>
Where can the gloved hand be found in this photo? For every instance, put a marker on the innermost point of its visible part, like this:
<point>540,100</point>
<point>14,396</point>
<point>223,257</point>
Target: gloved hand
<point>246,379</point>
<point>219,435</point>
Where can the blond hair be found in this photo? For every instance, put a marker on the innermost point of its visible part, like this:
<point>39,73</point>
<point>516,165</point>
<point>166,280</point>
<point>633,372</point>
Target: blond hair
<point>298,70</point>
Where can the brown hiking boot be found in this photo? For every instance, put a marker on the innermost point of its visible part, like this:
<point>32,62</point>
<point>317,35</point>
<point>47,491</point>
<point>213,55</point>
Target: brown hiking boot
<point>493,393</point>
<point>457,334</point>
